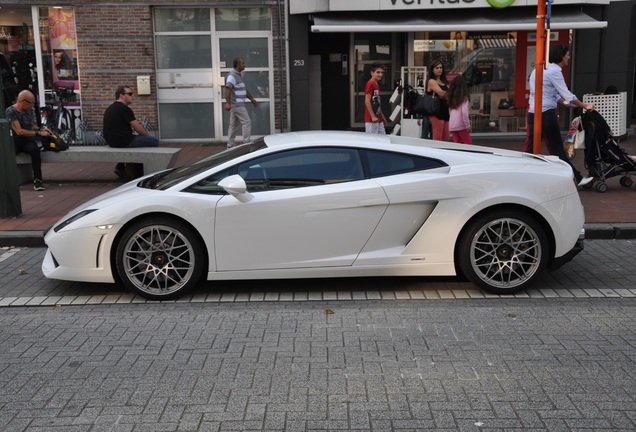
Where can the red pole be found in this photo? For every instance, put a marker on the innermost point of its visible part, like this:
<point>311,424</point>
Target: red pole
<point>539,63</point>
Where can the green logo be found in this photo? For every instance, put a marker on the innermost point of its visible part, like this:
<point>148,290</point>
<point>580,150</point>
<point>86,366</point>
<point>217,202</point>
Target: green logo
<point>500,4</point>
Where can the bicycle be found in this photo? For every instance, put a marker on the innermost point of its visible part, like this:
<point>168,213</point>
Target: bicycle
<point>58,118</point>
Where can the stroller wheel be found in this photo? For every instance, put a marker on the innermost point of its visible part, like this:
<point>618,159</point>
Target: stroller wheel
<point>601,187</point>
<point>626,181</point>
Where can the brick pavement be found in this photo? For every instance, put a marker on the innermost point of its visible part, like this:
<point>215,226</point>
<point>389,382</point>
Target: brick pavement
<point>322,354</point>
<point>461,365</point>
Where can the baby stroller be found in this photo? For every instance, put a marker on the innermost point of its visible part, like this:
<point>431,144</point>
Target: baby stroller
<point>604,158</point>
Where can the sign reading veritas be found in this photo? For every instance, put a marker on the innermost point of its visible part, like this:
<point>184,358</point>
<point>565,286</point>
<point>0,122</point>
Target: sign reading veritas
<point>430,4</point>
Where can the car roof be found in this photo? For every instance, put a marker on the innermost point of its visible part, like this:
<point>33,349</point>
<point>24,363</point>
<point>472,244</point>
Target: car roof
<point>322,137</point>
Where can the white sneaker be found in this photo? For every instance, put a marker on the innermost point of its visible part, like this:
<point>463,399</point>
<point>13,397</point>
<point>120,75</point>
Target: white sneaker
<point>585,180</point>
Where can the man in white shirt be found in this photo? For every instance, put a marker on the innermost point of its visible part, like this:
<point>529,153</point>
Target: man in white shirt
<point>235,95</point>
<point>554,91</point>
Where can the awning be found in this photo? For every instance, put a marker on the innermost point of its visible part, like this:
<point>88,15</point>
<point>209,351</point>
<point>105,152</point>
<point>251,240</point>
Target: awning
<point>474,19</point>
<point>496,43</point>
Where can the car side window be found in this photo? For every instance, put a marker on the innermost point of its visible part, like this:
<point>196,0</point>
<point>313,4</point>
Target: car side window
<point>383,163</point>
<point>302,168</point>
<point>210,185</point>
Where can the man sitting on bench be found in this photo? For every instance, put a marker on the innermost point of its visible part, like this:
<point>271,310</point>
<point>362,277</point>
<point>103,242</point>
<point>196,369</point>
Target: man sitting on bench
<point>119,123</point>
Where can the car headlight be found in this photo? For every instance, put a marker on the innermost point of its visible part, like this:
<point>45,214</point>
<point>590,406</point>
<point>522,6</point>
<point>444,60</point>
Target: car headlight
<point>72,219</point>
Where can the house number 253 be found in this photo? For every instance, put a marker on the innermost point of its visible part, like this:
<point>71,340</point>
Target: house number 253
<point>299,62</point>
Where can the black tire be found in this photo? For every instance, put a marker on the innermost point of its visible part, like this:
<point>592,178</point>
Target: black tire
<point>601,187</point>
<point>626,181</point>
<point>503,251</point>
<point>160,258</point>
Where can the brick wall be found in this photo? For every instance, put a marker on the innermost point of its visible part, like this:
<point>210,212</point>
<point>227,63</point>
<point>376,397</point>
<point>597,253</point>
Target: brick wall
<point>115,45</point>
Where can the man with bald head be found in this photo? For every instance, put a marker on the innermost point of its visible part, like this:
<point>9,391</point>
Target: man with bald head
<point>25,133</point>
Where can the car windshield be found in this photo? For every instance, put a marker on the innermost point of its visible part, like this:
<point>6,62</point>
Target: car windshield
<point>167,179</point>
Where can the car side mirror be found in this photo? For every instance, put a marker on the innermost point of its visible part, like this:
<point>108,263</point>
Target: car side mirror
<point>235,186</point>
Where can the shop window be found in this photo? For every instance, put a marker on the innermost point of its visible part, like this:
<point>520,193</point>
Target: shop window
<point>487,62</point>
<point>186,120</point>
<point>184,52</point>
<point>256,82</point>
<point>59,54</point>
<point>182,20</point>
<point>254,51</point>
<point>235,19</point>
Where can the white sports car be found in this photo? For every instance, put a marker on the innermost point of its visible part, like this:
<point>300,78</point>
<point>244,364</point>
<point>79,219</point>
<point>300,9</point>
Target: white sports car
<point>327,204</point>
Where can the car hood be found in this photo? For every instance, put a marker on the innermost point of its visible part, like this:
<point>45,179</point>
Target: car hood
<point>126,192</point>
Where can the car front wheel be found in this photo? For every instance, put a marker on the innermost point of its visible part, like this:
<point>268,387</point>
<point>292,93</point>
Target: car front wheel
<point>503,252</point>
<point>159,259</point>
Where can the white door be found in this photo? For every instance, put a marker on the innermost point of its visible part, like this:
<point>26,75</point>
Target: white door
<point>308,207</point>
<point>316,226</point>
<point>255,49</point>
<point>194,52</point>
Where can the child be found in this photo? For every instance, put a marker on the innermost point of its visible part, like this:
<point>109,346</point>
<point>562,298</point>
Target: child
<point>373,118</point>
<point>458,102</point>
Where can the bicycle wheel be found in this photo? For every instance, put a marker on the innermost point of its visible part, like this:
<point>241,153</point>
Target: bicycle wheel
<point>66,126</point>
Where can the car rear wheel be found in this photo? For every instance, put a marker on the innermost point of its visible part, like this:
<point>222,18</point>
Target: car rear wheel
<point>503,252</point>
<point>159,259</point>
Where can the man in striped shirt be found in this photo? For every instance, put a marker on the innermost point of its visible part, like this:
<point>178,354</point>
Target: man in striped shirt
<point>235,95</point>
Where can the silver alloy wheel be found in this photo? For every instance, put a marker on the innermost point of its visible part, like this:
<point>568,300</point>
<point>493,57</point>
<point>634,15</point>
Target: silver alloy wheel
<point>158,260</point>
<point>505,253</point>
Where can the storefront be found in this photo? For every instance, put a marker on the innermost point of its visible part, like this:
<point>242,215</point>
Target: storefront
<point>307,61</point>
<point>176,58</point>
<point>38,51</point>
<point>493,47</point>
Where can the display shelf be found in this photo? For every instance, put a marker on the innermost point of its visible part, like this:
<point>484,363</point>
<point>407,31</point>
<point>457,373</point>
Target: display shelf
<point>411,77</point>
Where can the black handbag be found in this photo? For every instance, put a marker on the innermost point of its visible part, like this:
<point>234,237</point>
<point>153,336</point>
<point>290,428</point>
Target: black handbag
<point>427,104</point>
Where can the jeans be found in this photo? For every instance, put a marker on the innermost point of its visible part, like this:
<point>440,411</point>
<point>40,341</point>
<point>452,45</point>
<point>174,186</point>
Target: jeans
<point>440,129</point>
<point>462,137</point>
<point>239,114</point>
<point>551,131</point>
<point>31,148</point>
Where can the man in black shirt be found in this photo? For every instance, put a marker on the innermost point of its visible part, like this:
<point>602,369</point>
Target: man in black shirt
<point>119,123</point>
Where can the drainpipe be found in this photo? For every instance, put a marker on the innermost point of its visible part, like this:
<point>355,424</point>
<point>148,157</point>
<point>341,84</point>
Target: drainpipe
<point>283,46</point>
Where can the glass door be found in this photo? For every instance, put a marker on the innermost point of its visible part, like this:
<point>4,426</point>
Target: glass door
<point>195,49</point>
<point>367,49</point>
<point>257,53</point>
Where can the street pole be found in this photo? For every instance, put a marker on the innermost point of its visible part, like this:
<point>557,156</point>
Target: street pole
<point>540,64</point>
<point>10,205</point>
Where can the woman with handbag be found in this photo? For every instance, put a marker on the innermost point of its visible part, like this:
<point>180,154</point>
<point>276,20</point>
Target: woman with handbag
<point>437,85</point>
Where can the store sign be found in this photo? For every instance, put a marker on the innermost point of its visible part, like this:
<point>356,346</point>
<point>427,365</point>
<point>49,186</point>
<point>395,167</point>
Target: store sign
<point>434,45</point>
<point>439,4</point>
<point>554,36</point>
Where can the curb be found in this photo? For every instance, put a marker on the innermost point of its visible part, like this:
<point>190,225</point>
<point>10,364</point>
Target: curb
<point>593,231</point>
<point>610,231</point>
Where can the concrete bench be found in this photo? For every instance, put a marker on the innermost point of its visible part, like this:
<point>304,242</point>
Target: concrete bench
<point>152,158</point>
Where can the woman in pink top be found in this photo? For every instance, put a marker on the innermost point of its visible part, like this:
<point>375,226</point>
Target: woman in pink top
<point>458,101</point>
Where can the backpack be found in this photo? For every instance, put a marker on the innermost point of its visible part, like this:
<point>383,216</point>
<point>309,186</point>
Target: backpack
<point>54,142</point>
